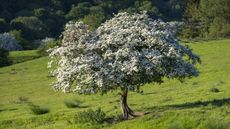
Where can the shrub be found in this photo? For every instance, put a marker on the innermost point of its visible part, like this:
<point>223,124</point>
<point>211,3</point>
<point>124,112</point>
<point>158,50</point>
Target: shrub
<point>38,110</point>
<point>72,104</point>
<point>47,44</point>
<point>90,116</point>
<point>4,60</point>
<point>8,42</point>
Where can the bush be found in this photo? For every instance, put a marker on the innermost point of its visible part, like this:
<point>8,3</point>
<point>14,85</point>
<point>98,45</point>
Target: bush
<point>90,116</point>
<point>4,60</point>
<point>72,104</point>
<point>47,44</point>
<point>38,110</point>
<point>8,42</point>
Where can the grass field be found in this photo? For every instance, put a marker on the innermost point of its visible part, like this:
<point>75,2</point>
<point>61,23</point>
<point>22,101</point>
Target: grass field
<point>22,56</point>
<point>198,103</point>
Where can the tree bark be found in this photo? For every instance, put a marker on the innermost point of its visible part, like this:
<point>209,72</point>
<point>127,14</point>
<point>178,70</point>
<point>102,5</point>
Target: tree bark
<point>124,105</point>
<point>126,111</point>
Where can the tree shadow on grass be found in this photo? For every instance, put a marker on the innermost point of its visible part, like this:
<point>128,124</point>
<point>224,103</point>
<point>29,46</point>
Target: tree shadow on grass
<point>86,106</point>
<point>215,102</point>
<point>148,93</point>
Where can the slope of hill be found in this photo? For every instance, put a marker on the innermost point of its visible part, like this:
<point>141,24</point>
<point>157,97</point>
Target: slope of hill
<point>22,56</point>
<point>202,102</point>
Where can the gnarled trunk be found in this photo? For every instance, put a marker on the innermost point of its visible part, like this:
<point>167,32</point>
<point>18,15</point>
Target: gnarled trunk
<point>126,111</point>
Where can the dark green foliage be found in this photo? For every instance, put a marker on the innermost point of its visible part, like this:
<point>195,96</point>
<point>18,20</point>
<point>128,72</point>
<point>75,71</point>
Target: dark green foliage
<point>220,27</point>
<point>95,18</point>
<point>31,27</point>
<point>79,11</point>
<point>207,19</point>
<point>4,60</point>
<point>40,12</point>
<point>3,25</point>
<point>203,19</point>
<point>6,15</point>
<point>38,110</point>
<point>24,12</point>
<point>55,24</point>
<point>145,5</point>
<point>191,28</point>
<point>50,16</point>
<point>90,116</point>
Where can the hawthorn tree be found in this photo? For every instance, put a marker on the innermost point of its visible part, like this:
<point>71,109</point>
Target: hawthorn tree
<point>124,53</point>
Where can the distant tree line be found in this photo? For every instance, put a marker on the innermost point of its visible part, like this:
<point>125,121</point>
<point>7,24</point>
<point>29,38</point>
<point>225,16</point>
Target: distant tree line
<point>207,19</point>
<point>30,20</point>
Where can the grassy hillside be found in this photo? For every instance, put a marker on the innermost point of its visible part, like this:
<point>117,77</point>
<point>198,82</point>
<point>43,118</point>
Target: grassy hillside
<point>202,102</point>
<point>22,56</point>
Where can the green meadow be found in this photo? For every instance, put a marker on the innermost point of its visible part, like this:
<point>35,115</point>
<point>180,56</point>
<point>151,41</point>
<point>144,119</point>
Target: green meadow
<point>22,56</point>
<point>202,102</point>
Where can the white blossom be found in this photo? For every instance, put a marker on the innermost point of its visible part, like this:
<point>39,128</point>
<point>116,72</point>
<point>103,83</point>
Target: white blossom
<point>126,51</point>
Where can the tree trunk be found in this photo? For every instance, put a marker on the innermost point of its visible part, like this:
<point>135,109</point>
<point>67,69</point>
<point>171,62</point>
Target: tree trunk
<point>126,111</point>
